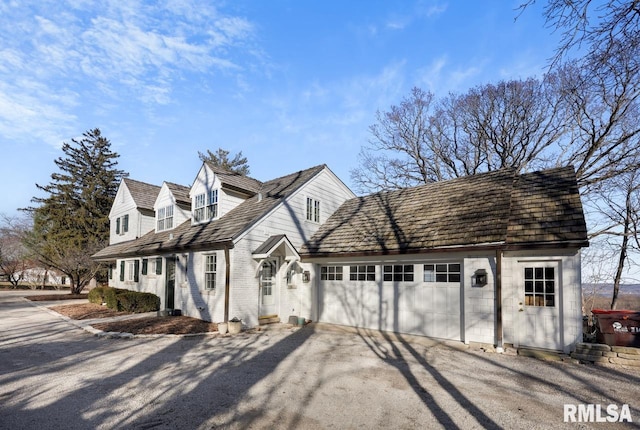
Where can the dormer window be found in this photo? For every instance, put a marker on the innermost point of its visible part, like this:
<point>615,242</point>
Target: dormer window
<point>122,224</point>
<point>205,206</point>
<point>165,218</point>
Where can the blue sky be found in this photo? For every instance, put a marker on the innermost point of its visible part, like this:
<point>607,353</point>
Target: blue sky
<point>291,84</point>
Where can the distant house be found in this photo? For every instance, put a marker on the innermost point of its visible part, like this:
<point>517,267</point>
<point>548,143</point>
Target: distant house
<point>491,258</point>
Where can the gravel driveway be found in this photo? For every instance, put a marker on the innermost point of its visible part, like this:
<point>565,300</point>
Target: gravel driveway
<point>55,375</point>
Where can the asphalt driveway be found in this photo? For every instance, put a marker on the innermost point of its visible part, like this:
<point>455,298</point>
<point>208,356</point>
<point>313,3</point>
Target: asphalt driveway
<point>56,375</point>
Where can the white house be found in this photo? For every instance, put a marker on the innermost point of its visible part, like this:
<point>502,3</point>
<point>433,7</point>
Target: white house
<point>491,258</point>
<point>230,247</point>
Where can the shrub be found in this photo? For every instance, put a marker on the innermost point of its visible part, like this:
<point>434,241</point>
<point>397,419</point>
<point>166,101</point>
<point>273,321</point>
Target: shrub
<point>133,301</point>
<point>111,297</point>
<point>97,295</point>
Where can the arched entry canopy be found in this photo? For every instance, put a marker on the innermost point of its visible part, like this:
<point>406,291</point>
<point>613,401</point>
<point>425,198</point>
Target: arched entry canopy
<point>276,246</point>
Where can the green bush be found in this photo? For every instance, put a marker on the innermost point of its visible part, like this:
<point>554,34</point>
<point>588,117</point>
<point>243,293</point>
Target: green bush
<point>133,301</point>
<point>111,297</point>
<point>97,295</point>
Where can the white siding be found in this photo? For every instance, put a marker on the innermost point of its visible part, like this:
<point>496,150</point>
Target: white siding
<point>569,296</point>
<point>409,307</point>
<point>479,302</point>
<point>289,218</point>
<point>205,181</point>
<point>191,296</point>
<point>165,198</point>
<point>139,224</point>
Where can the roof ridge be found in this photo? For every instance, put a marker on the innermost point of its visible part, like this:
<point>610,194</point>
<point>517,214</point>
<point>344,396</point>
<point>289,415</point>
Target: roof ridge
<point>317,167</point>
<point>140,182</point>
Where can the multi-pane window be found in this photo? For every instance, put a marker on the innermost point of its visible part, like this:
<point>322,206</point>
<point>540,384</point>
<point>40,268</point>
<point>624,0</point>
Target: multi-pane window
<point>331,273</point>
<point>198,207</point>
<point>122,224</point>
<point>212,204</point>
<point>539,286</point>
<point>398,272</point>
<point>210,273</point>
<point>205,206</point>
<point>133,267</point>
<point>442,272</point>
<point>313,210</point>
<point>362,273</point>
<point>165,218</point>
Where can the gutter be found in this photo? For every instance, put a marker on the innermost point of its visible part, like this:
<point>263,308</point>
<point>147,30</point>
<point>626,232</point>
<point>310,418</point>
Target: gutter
<point>502,246</point>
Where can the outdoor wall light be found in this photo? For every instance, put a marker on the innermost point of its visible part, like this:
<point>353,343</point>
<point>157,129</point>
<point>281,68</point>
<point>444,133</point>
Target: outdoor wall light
<point>306,276</point>
<point>479,278</point>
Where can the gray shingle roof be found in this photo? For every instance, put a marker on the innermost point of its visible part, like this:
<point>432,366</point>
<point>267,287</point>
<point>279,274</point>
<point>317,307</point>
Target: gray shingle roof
<point>180,192</point>
<point>215,233</point>
<point>499,207</point>
<point>235,180</point>
<point>144,195</point>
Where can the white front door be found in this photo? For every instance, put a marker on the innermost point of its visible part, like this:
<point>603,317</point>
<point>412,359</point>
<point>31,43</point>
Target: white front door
<point>268,285</point>
<point>540,325</point>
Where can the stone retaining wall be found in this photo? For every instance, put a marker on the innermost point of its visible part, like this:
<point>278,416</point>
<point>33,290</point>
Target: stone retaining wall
<point>597,353</point>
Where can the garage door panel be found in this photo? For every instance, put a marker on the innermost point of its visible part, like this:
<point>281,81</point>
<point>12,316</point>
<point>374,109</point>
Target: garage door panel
<point>421,308</point>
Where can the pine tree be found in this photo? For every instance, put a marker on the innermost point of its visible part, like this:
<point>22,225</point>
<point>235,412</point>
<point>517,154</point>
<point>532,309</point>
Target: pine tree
<point>220,158</point>
<point>72,221</point>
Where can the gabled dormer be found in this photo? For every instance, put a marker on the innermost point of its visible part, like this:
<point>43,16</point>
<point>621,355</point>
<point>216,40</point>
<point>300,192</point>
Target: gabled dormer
<point>132,213</point>
<point>172,207</point>
<point>216,191</point>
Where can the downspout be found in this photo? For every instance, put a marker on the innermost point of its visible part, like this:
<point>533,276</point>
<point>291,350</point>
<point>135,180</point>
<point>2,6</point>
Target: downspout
<point>227,282</point>
<point>499,345</point>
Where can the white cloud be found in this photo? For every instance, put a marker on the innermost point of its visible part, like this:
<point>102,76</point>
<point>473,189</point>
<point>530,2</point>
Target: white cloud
<point>110,51</point>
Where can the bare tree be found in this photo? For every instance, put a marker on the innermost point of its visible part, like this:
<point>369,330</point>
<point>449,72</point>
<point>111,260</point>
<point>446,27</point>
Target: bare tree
<point>399,153</point>
<point>617,203</point>
<point>14,257</point>
<point>509,124</point>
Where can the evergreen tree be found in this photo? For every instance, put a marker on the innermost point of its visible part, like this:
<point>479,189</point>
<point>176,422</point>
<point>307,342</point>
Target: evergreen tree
<point>72,220</point>
<point>220,158</point>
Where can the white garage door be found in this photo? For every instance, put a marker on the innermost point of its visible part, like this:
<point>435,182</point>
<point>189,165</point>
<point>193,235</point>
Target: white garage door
<point>422,299</point>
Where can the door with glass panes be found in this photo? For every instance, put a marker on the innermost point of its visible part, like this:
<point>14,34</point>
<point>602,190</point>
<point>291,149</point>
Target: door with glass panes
<point>268,285</point>
<point>540,325</point>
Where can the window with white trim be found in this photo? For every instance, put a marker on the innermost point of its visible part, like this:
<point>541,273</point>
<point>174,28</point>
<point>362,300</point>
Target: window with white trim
<point>133,267</point>
<point>331,273</point>
<point>165,218</point>
<point>210,270</point>
<point>539,286</point>
<point>398,273</point>
<point>442,272</point>
<point>313,210</point>
<point>205,206</point>
<point>362,273</point>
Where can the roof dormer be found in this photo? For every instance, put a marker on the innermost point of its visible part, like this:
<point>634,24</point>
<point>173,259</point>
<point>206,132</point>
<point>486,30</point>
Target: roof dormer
<point>171,206</point>
<point>216,191</point>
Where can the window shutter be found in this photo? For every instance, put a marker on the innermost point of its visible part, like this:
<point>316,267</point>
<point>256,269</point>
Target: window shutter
<point>145,265</point>
<point>122,271</point>
<point>118,225</point>
<point>125,223</point>
<point>136,270</point>
<point>159,266</point>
